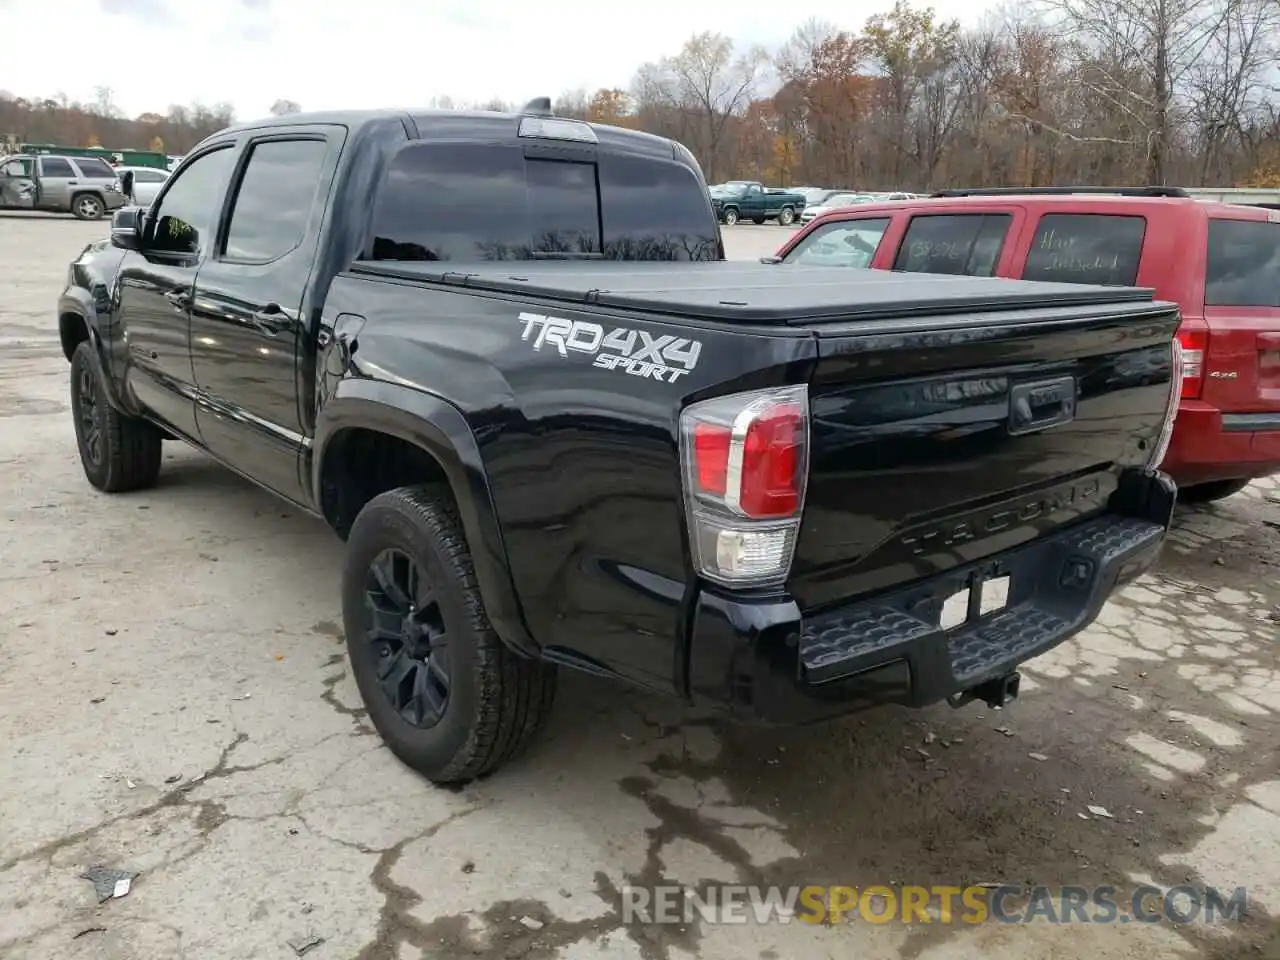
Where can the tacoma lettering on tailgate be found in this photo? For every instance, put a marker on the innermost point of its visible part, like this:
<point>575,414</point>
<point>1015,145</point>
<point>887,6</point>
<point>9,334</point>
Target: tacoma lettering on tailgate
<point>978,525</point>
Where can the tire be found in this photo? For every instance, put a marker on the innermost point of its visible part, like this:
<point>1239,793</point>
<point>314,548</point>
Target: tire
<point>786,216</point>
<point>1211,491</point>
<point>496,701</point>
<point>119,453</point>
<point>86,206</point>
<point>730,216</point>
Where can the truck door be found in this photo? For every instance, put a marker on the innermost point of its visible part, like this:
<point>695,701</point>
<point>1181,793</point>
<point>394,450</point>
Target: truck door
<point>753,202</point>
<point>156,285</point>
<point>57,177</point>
<point>247,322</point>
<point>17,185</point>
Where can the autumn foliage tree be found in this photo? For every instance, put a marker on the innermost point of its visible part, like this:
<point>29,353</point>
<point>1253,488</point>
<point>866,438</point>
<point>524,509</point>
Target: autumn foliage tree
<point>1063,92</point>
<point>1103,92</point>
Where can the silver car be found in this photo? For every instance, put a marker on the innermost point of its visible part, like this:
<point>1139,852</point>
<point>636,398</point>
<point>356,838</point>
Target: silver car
<point>147,182</point>
<point>83,186</point>
<point>834,202</point>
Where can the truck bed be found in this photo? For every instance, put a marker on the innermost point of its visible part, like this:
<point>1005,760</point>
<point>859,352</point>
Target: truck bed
<point>757,292</point>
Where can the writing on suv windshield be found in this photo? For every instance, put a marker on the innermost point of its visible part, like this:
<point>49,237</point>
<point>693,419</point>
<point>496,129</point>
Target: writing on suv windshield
<point>481,202</point>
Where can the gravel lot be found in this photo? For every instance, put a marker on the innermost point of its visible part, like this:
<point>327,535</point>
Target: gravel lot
<point>150,640</point>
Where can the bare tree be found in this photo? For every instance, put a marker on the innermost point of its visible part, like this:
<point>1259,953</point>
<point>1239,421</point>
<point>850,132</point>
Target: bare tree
<point>706,80</point>
<point>795,56</point>
<point>1159,40</point>
<point>104,104</point>
<point>282,107</point>
<point>1227,87</point>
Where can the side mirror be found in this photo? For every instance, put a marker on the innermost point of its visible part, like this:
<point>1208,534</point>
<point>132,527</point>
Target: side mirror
<point>126,228</point>
<point>770,259</point>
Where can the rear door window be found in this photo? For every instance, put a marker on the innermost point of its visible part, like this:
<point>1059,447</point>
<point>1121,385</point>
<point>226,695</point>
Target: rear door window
<point>1244,264</point>
<point>964,243</point>
<point>845,243</point>
<point>1086,248</point>
<point>55,167</point>
<point>459,202</point>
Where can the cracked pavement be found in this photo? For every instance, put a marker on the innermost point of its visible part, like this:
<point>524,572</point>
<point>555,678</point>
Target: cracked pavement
<point>174,701</point>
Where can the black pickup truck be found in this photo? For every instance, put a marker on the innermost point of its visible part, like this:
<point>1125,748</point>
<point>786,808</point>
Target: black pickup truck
<point>504,357</point>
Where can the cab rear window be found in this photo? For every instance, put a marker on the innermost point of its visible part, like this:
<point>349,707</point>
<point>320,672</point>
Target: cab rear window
<point>459,202</point>
<point>1086,248</point>
<point>1243,269</point>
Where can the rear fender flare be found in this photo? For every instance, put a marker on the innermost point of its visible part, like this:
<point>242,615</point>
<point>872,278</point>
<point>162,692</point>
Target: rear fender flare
<point>441,430</point>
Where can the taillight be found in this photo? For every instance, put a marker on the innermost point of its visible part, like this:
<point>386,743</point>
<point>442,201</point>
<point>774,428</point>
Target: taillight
<point>1195,344</point>
<point>1176,386</point>
<point>745,462</point>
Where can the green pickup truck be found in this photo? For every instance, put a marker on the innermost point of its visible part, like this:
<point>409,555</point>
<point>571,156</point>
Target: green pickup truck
<point>750,200</point>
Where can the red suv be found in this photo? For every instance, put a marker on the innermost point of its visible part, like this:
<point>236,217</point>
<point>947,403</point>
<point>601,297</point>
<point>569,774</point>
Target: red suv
<point>1219,262</point>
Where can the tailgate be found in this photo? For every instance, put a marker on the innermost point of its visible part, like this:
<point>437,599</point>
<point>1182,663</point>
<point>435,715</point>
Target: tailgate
<point>943,440</point>
<point>1242,364</point>
<point>1241,371</point>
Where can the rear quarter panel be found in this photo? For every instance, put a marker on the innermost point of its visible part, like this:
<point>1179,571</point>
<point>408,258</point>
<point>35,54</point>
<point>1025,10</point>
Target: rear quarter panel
<point>582,460</point>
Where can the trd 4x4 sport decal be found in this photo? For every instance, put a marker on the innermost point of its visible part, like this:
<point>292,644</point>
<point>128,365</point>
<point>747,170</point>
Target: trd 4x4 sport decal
<point>663,357</point>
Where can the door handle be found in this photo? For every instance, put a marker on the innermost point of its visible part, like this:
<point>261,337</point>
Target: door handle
<point>272,319</point>
<point>179,298</point>
<point>1038,406</point>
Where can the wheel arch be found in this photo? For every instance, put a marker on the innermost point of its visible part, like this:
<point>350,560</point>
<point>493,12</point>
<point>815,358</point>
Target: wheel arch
<point>73,330</point>
<point>430,427</point>
<point>88,191</point>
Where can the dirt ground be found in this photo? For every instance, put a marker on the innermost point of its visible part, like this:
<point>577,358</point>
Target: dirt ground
<point>175,702</point>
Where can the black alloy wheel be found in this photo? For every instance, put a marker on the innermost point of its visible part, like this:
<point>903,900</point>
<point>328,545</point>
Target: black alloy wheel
<point>118,452</point>
<point>411,644</point>
<point>89,415</point>
<point>443,690</point>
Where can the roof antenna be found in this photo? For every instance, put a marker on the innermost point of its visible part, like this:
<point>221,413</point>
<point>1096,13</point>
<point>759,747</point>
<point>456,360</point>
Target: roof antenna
<point>538,107</point>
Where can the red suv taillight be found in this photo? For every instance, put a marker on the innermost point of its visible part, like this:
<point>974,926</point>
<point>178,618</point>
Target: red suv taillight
<point>1195,345</point>
<point>745,462</point>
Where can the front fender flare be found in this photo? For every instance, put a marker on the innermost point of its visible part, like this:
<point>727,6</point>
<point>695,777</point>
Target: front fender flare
<point>440,429</point>
<point>77,301</point>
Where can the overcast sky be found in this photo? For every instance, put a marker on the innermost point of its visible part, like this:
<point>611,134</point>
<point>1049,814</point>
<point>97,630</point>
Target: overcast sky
<point>370,53</point>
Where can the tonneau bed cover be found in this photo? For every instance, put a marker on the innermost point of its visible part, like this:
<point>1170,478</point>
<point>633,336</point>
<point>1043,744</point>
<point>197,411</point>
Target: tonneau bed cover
<point>757,292</point>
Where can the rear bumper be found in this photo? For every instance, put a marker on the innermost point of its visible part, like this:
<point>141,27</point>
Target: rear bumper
<point>1208,444</point>
<point>767,662</point>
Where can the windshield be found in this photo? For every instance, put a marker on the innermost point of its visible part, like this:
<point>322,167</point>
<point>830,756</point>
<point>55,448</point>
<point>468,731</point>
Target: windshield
<point>733,187</point>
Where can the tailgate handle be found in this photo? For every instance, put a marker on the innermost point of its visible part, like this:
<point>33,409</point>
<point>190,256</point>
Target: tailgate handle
<point>1038,406</point>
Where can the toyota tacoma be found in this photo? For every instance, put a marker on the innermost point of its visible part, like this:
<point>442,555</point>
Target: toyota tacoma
<point>504,358</point>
